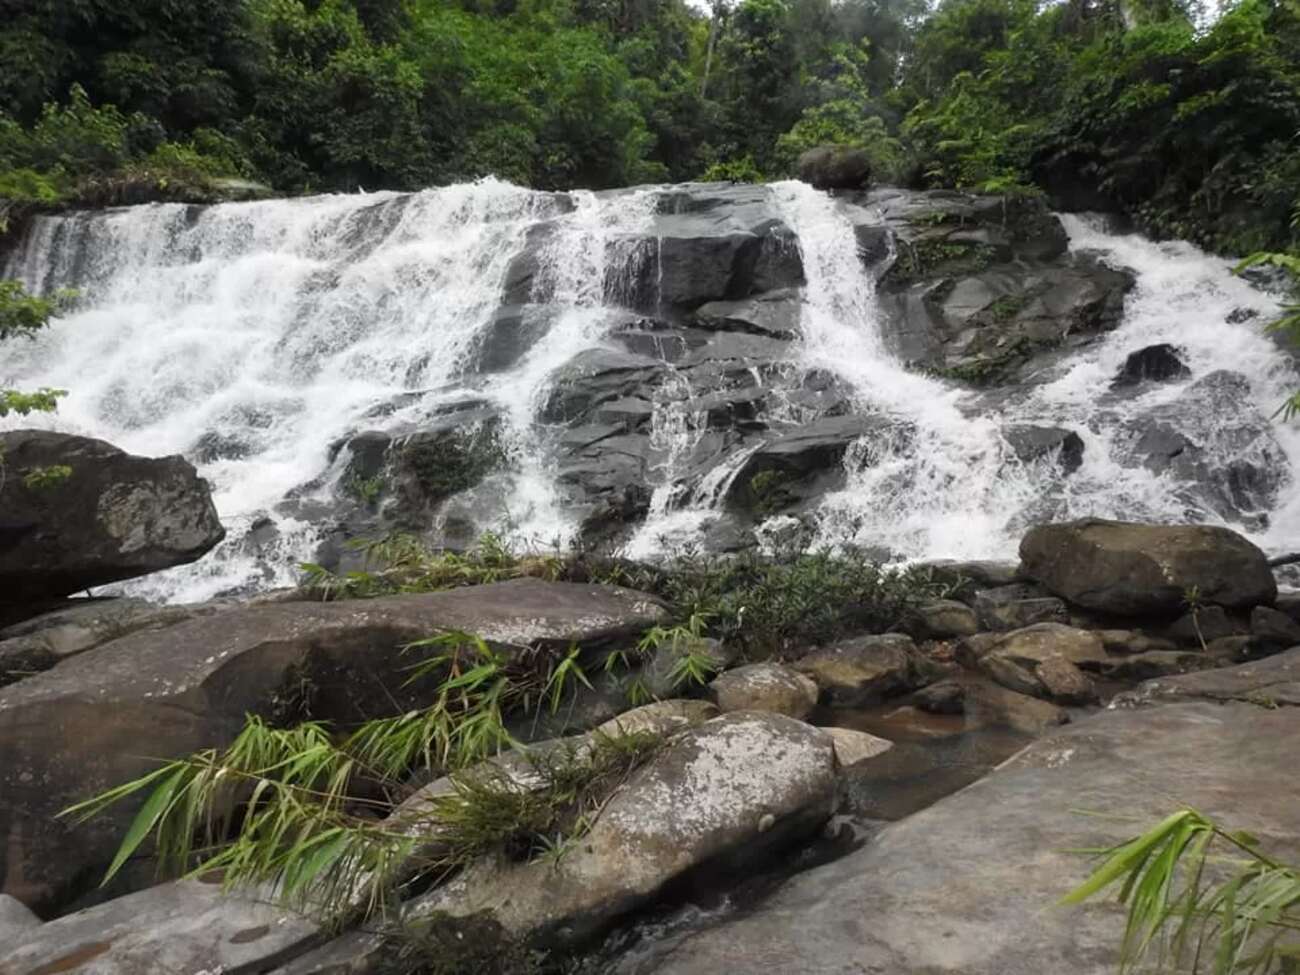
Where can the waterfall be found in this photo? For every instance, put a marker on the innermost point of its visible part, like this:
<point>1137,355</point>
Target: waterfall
<point>251,337</point>
<point>946,483</point>
<point>255,338</point>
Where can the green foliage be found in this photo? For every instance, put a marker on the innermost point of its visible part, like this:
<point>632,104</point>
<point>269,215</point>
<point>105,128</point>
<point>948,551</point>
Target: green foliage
<point>1289,322</point>
<point>769,605</point>
<point>693,662</point>
<point>844,122</point>
<point>46,478</point>
<point>366,489</point>
<point>302,807</point>
<point>1200,898</point>
<point>402,563</point>
<point>740,170</point>
<point>22,316</point>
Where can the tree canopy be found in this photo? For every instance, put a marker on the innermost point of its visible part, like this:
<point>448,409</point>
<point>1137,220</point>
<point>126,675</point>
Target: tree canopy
<point>1188,121</point>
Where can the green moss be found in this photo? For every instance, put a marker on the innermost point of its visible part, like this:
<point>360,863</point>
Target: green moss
<point>769,493</point>
<point>455,461</point>
<point>928,255</point>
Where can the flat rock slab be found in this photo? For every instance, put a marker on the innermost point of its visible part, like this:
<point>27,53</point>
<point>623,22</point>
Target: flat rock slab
<point>187,926</point>
<point>968,885</point>
<point>1271,682</point>
<point>105,718</point>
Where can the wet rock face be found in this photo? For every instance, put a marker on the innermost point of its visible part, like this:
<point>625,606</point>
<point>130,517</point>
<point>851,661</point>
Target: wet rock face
<point>1155,363</point>
<point>1219,450</point>
<point>1134,570</point>
<point>79,513</point>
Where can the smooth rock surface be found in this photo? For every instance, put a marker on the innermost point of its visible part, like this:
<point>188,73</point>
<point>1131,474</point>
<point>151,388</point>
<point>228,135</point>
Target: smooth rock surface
<point>104,718</point>
<point>16,920</point>
<point>852,748</point>
<point>1271,682</point>
<point>1134,569</point>
<point>187,926</point>
<point>967,886</point>
<point>1035,644</point>
<point>943,618</point>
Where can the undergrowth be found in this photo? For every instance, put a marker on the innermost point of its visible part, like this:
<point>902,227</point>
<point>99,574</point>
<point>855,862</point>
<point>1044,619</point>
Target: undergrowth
<point>307,808</point>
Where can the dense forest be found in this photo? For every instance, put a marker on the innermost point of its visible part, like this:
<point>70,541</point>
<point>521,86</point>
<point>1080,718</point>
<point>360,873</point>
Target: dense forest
<point>1186,118</point>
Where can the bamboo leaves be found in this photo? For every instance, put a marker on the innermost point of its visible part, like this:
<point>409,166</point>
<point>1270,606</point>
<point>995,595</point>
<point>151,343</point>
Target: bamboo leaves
<point>1201,899</point>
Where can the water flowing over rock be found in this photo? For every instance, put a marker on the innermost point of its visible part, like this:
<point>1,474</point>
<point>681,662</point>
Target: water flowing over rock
<point>921,374</point>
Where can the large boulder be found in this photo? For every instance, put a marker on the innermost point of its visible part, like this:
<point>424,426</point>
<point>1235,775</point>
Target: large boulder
<point>835,168</point>
<point>969,884</point>
<point>188,926</point>
<point>104,718</point>
<point>1272,682</point>
<point>1129,569</point>
<point>730,788</point>
<point>866,669</point>
<point>77,513</point>
<point>765,687</point>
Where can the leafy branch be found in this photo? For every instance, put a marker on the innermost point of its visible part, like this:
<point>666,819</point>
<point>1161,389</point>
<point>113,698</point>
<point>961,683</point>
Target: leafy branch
<point>1201,898</point>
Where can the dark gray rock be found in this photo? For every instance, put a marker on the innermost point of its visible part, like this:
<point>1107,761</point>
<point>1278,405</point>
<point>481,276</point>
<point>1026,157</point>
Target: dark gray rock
<point>1065,683</point>
<point>113,516</point>
<point>835,168</point>
<point>104,718</point>
<point>1157,663</point>
<point>1215,446</point>
<point>1273,629</point>
<point>967,884</point>
<point>1015,606</point>
<point>801,463</point>
<point>774,314</point>
<point>186,926</point>
<point>1130,569</point>
<point>1031,443</point>
<point>1205,625</point>
<point>1155,363</point>
<point>944,697</point>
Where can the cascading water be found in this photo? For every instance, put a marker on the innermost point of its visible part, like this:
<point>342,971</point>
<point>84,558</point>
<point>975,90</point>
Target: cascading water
<point>252,337</point>
<point>946,484</point>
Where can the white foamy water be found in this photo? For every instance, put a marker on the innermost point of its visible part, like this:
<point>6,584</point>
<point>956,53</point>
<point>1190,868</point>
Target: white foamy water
<point>274,329</point>
<point>947,485</point>
<point>253,337</point>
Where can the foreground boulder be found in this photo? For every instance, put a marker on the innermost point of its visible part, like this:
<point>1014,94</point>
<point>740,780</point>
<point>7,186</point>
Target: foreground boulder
<point>188,926</point>
<point>77,512</point>
<point>1130,569</point>
<point>731,787</point>
<point>107,717</point>
<point>969,885</point>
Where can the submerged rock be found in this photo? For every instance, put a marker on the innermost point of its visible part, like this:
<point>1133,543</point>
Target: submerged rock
<point>1129,569</point>
<point>77,513</point>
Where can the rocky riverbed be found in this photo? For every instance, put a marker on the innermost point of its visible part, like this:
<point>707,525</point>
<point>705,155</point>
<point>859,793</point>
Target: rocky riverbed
<point>863,802</point>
